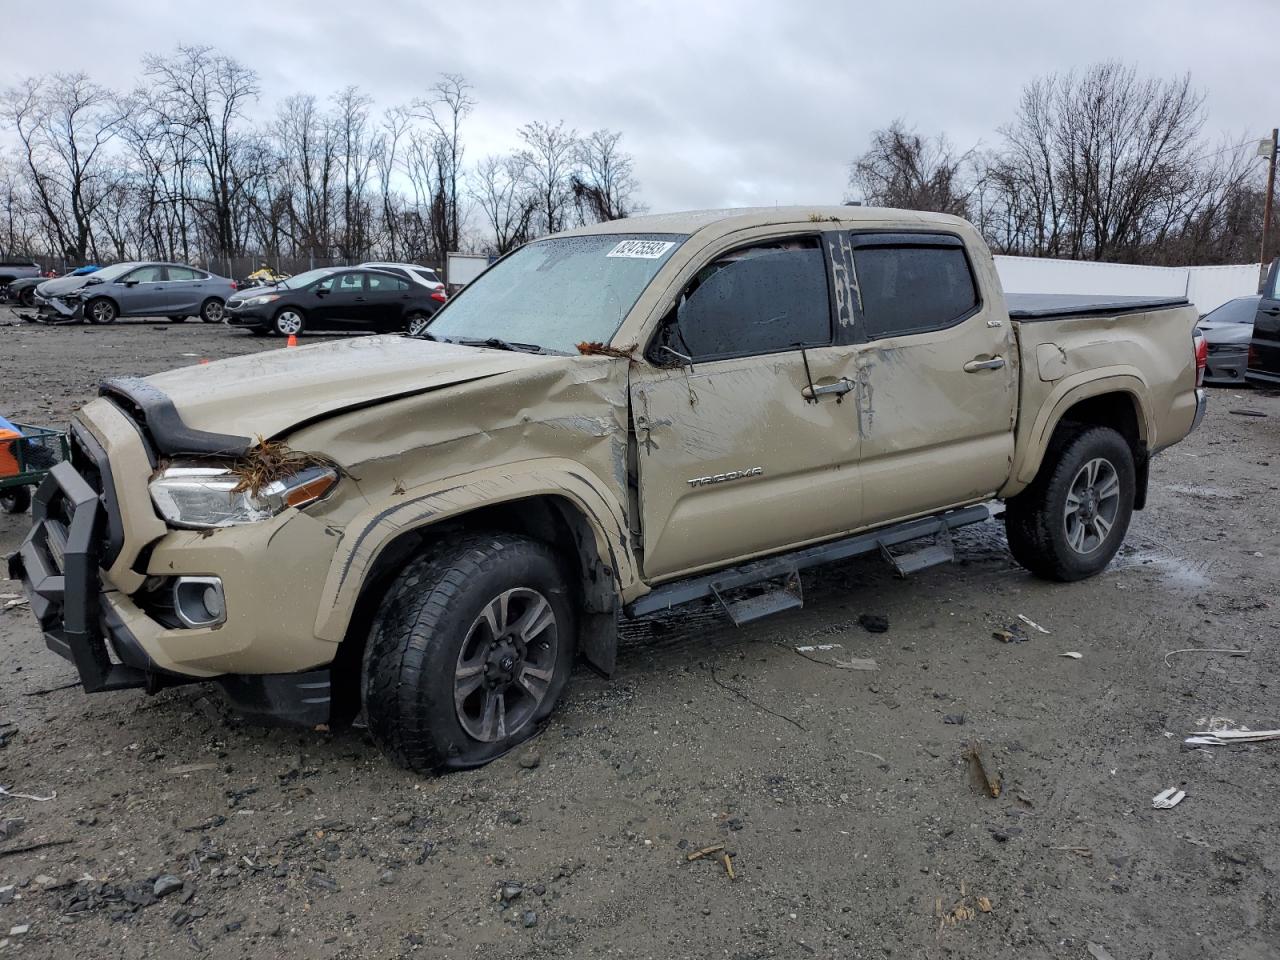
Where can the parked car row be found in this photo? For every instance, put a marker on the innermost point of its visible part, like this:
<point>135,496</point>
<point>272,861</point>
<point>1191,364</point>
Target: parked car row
<point>375,296</point>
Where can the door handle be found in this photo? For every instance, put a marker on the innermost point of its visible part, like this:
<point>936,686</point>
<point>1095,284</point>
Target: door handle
<point>975,366</point>
<point>837,389</point>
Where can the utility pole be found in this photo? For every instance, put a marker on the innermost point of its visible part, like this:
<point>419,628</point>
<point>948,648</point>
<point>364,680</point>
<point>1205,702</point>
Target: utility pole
<point>1268,150</point>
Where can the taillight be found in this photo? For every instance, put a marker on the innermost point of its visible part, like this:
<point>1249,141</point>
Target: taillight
<point>1202,358</point>
<point>439,296</point>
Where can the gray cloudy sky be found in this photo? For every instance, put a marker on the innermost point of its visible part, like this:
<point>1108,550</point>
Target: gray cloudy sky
<point>721,103</point>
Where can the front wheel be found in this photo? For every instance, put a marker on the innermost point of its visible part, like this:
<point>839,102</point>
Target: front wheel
<point>288,322</point>
<point>27,297</point>
<point>177,319</point>
<point>100,311</point>
<point>469,653</point>
<point>1072,519</point>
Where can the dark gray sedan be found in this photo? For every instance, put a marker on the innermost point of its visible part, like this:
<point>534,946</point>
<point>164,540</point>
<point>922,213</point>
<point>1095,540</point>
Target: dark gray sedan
<point>172,290</point>
<point>1228,329</point>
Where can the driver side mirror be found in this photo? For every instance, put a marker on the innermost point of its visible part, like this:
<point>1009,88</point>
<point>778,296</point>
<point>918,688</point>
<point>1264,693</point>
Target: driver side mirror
<point>130,283</point>
<point>322,291</point>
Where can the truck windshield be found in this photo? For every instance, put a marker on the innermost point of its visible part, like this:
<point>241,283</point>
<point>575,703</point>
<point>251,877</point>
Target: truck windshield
<point>559,292</point>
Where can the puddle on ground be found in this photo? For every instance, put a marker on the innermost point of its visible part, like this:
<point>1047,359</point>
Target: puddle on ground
<point>1203,492</point>
<point>1175,571</point>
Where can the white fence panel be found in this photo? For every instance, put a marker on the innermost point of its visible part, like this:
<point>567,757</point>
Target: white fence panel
<point>1206,287</point>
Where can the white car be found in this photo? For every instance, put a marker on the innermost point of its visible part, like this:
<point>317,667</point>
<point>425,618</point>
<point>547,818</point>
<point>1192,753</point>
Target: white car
<point>424,276</point>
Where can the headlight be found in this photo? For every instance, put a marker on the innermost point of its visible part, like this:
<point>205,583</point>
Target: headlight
<point>260,301</point>
<point>203,497</point>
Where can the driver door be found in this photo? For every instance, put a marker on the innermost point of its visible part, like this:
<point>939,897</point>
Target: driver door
<point>737,454</point>
<point>141,292</point>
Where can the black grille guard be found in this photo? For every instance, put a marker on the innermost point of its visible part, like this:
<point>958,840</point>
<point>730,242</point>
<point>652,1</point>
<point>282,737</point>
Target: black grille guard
<point>58,566</point>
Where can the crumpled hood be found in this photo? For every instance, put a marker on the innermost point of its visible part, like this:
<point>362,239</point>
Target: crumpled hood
<point>1226,332</point>
<point>266,394</point>
<point>61,286</point>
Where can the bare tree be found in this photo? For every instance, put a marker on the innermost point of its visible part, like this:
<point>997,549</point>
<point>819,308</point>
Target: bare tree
<point>604,185</point>
<point>500,188</point>
<point>350,123</point>
<point>904,169</point>
<point>63,123</point>
<point>549,157</point>
<point>201,94</point>
<point>449,104</point>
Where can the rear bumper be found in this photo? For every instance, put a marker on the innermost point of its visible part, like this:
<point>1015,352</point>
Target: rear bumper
<point>1202,405</point>
<point>1263,376</point>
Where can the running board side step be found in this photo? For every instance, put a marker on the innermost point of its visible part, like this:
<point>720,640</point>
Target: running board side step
<point>940,551</point>
<point>668,595</point>
<point>785,596</point>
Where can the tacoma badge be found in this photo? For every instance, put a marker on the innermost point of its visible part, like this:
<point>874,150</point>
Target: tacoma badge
<point>731,475</point>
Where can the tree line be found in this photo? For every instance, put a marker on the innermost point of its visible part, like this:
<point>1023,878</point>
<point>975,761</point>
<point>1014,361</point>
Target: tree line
<point>176,169</point>
<point>1103,164</point>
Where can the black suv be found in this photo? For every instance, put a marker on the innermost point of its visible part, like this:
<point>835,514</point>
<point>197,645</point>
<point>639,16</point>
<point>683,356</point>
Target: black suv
<point>1264,349</point>
<point>334,298</point>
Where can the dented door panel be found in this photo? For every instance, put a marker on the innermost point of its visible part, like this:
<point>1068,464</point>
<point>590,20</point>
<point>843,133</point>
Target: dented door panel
<point>735,461</point>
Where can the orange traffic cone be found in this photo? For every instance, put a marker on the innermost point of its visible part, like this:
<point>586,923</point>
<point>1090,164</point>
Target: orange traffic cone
<point>293,340</point>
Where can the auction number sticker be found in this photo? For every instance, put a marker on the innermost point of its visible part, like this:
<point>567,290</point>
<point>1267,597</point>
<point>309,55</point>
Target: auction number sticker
<point>642,249</point>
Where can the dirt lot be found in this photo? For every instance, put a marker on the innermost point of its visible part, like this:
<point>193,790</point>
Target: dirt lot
<point>844,796</point>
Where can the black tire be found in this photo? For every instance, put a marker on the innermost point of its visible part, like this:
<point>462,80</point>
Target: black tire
<point>177,319</point>
<point>15,500</point>
<point>211,310</point>
<point>432,613</point>
<point>415,320</point>
<point>281,326</point>
<point>27,297</point>
<point>1036,521</point>
<point>101,310</point>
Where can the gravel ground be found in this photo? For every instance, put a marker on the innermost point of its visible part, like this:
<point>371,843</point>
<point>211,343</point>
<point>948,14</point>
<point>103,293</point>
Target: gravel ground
<point>845,796</point>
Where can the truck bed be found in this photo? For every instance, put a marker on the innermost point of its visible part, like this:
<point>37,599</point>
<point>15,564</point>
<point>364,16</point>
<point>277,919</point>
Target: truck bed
<point>1029,307</point>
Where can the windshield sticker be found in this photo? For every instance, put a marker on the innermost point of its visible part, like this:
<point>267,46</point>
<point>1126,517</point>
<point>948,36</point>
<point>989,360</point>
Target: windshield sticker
<point>641,249</point>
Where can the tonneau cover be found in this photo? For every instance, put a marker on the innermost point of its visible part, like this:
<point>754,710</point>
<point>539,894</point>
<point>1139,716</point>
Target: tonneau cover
<point>1046,306</point>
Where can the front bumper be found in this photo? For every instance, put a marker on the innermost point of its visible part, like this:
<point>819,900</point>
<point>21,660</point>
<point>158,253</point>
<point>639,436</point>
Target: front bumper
<point>115,644</point>
<point>58,310</point>
<point>245,317</point>
<point>1226,369</point>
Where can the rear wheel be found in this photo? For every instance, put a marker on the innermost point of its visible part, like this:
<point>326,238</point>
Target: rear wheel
<point>415,324</point>
<point>15,500</point>
<point>288,322</point>
<point>469,653</point>
<point>211,310</point>
<point>1072,519</point>
<point>101,310</point>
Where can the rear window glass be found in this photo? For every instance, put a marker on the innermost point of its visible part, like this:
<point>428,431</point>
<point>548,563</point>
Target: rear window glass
<point>913,289</point>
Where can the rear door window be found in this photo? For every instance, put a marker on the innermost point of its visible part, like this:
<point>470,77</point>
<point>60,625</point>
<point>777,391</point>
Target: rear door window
<point>765,298</point>
<point>913,288</point>
<point>184,273</point>
<point>385,284</point>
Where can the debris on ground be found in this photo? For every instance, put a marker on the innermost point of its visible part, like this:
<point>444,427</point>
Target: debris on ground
<point>1222,738</point>
<point>809,648</point>
<point>1011,634</point>
<point>1032,624</point>
<point>982,770</point>
<point>955,719</point>
<point>1168,799</point>
<point>1247,413</point>
<point>1072,655</point>
<point>704,852</point>
<point>857,663</point>
<point>1224,650</point>
<point>1098,952</point>
<point>873,622</point>
<point>964,909</point>
<point>5,792</point>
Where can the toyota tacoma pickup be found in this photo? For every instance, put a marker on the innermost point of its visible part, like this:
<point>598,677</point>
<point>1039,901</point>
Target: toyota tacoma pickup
<point>427,531</point>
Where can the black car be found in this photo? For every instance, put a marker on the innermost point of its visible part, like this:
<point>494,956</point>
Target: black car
<point>1264,349</point>
<point>334,298</point>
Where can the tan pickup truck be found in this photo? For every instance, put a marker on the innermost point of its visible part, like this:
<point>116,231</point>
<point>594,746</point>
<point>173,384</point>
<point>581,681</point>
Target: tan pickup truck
<point>618,419</point>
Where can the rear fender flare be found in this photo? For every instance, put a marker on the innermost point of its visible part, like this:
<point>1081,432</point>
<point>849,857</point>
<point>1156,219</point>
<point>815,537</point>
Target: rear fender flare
<point>1070,391</point>
<point>374,528</point>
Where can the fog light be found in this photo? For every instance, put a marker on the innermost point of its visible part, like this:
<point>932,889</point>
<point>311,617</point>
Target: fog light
<point>199,601</point>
